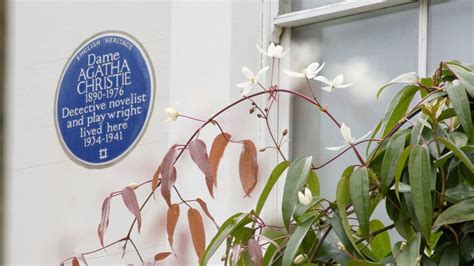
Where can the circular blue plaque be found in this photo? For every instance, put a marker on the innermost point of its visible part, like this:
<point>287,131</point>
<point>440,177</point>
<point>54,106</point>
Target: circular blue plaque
<point>104,99</point>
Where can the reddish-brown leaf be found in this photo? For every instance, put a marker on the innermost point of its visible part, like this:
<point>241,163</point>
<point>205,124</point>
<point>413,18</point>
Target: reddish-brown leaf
<point>248,167</point>
<point>171,220</point>
<point>168,174</point>
<point>155,181</point>
<point>236,251</point>
<point>203,205</point>
<point>162,256</point>
<point>198,151</point>
<point>75,262</point>
<point>104,220</point>
<point>217,151</point>
<point>130,200</point>
<point>196,228</point>
<point>255,252</point>
<point>166,185</point>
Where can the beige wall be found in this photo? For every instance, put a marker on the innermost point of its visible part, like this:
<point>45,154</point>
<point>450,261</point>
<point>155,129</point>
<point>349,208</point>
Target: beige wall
<point>197,49</point>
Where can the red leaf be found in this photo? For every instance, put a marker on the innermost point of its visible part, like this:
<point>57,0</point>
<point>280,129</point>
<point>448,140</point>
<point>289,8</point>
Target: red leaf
<point>171,220</point>
<point>162,256</point>
<point>196,227</point>
<point>155,181</point>
<point>203,205</point>
<point>130,200</point>
<point>248,167</point>
<point>75,262</point>
<point>104,220</point>
<point>198,151</point>
<point>166,185</point>
<point>217,151</point>
<point>255,252</point>
<point>168,174</point>
<point>236,250</point>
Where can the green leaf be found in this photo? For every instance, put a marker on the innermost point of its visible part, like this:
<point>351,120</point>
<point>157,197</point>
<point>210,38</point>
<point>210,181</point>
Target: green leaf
<point>450,256</point>
<point>295,180</point>
<point>274,176</point>
<point>465,76</point>
<point>399,169</point>
<point>343,231</point>
<point>380,244</point>
<point>313,183</point>
<point>459,193</point>
<point>226,229</point>
<point>359,187</point>
<point>343,194</point>
<point>392,155</point>
<point>448,113</point>
<point>458,152</point>
<point>409,254</point>
<point>419,173</point>
<point>358,262</point>
<point>458,213</point>
<point>460,101</point>
<point>397,108</point>
<point>295,241</point>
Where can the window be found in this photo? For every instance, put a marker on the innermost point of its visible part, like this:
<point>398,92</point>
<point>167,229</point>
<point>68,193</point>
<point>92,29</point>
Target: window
<point>369,42</point>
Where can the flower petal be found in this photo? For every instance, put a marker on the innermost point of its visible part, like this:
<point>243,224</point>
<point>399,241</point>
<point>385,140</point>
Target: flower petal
<point>284,53</point>
<point>338,80</point>
<point>246,91</point>
<point>277,52</point>
<point>313,66</point>
<point>323,80</point>
<point>260,49</point>
<point>336,148</point>
<point>365,136</point>
<point>327,88</point>
<point>319,69</point>
<point>248,73</point>
<point>244,84</point>
<point>261,72</point>
<point>342,86</point>
<point>271,49</point>
<point>293,74</point>
<point>346,133</point>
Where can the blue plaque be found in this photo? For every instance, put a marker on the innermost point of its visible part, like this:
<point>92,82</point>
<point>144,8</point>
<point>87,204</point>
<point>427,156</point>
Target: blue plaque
<point>104,99</point>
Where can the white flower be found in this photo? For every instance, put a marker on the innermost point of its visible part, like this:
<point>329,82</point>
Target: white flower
<point>336,83</point>
<point>305,198</point>
<point>310,71</point>
<point>252,79</point>
<point>340,246</point>
<point>347,136</point>
<point>275,51</point>
<point>171,113</point>
<point>300,259</point>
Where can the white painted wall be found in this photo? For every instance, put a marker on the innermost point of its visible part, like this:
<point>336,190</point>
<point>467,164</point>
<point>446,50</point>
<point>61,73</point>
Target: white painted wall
<point>197,49</point>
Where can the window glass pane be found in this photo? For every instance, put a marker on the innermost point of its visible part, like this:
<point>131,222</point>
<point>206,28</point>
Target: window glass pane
<point>369,49</point>
<point>451,32</point>
<point>297,5</point>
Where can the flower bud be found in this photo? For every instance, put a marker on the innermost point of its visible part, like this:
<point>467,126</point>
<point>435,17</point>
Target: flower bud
<point>305,198</point>
<point>340,246</point>
<point>171,113</point>
<point>132,185</point>
<point>285,132</point>
<point>300,259</point>
<point>252,110</point>
<point>262,149</point>
<point>224,257</point>
<point>259,115</point>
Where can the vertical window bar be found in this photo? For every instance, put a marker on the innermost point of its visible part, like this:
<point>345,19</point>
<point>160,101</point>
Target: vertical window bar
<point>423,38</point>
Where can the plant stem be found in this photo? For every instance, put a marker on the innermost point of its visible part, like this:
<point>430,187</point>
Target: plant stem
<point>320,243</point>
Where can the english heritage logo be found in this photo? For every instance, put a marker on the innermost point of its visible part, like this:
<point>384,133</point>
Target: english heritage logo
<point>104,99</point>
